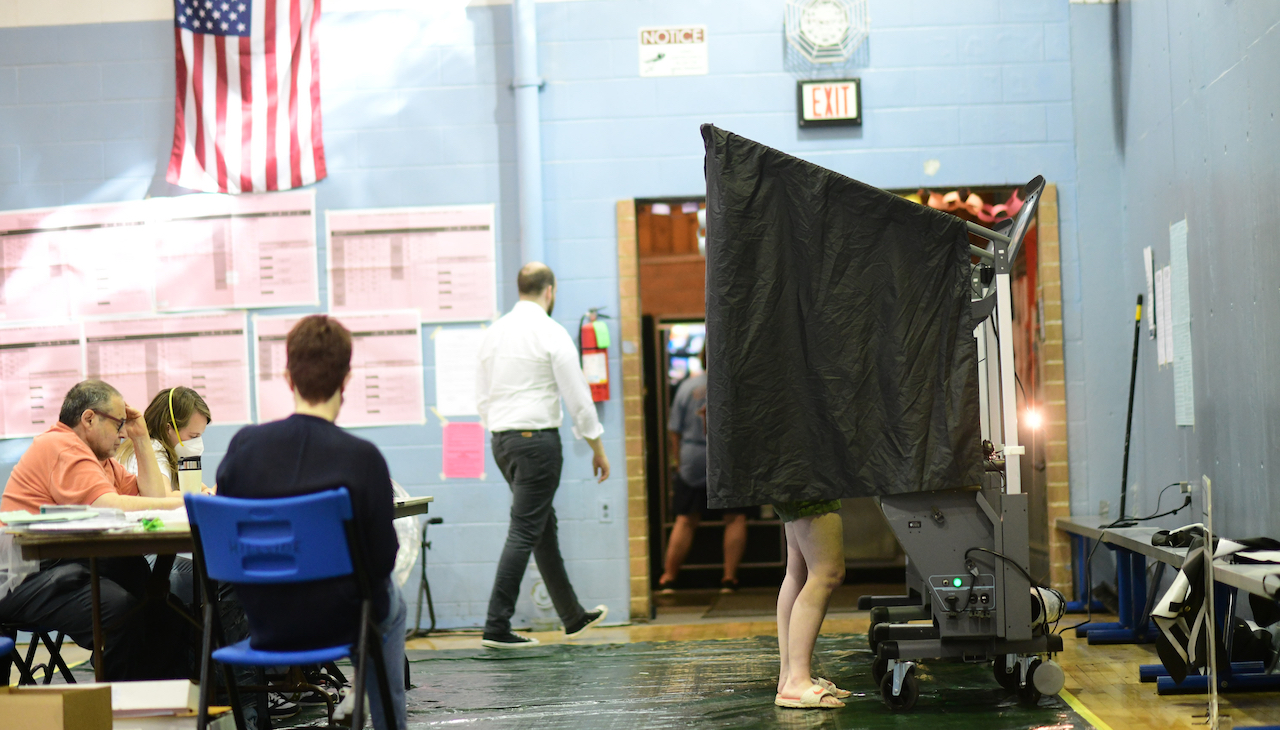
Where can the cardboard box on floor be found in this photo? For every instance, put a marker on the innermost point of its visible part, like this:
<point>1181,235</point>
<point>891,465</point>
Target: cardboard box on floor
<point>144,698</point>
<point>65,708</point>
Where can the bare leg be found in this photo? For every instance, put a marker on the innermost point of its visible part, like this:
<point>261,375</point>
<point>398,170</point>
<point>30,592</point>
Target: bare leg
<point>735,543</point>
<point>820,540</point>
<point>792,582</point>
<point>678,546</point>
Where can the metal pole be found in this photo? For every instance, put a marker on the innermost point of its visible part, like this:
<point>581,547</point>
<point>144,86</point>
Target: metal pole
<point>1128,424</point>
<point>524,31</point>
<point>1008,396</point>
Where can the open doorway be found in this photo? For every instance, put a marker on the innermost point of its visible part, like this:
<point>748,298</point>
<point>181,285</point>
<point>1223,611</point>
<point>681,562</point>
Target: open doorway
<point>672,279</point>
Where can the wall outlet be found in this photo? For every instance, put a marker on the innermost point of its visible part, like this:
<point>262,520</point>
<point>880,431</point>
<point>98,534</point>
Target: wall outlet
<point>1104,508</point>
<point>606,509</point>
<point>1185,488</point>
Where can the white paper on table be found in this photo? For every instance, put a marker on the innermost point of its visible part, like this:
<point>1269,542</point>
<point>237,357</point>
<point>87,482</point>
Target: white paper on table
<point>457,359</point>
<point>207,352</point>
<point>386,369</point>
<point>76,260</point>
<point>439,261</point>
<point>177,515</point>
<point>1183,379</point>
<point>236,251</point>
<point>1161,312</point>
<point>38,365</point>
<point>106,519</point>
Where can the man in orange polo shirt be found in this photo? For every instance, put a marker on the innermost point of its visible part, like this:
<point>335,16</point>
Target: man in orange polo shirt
<point>72,463</point>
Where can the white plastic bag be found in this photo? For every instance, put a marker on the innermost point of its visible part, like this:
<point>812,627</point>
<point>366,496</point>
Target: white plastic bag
<point>13,569</point>
<point>408,532</point>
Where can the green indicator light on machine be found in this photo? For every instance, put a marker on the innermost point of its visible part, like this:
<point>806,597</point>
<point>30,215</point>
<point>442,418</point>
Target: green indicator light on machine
<point>957,582</point>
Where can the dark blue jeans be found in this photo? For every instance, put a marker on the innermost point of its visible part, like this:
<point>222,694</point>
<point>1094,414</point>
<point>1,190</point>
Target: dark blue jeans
<point>531,465</point>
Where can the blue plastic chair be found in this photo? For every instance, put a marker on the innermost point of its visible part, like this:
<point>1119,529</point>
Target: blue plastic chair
<point>272,542</point>
<point>9,653</point>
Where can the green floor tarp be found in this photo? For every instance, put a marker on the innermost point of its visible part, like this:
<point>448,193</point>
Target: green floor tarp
<point>703,684</point>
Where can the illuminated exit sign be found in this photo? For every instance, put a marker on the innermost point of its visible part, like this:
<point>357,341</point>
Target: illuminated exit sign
<point>829,102</point>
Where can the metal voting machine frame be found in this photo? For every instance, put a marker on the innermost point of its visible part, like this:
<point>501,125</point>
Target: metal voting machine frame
<point>966,547</point>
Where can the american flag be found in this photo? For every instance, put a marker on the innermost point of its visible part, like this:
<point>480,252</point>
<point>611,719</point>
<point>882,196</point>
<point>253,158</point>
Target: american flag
<point>248,95</point>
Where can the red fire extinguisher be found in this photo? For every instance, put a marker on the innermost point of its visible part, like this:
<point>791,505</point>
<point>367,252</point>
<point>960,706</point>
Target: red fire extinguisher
<point>593,347</point>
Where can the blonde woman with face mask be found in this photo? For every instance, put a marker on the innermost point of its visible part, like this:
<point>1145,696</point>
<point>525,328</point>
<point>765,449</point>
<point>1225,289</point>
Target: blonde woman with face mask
<point>176,420</point>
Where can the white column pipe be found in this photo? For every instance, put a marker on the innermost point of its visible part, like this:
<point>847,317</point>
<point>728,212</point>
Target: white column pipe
<point>524,31</point>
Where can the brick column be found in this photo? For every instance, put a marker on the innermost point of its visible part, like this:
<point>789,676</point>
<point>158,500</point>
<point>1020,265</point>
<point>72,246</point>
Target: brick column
<point>1053,378</point>
<point>633,411</point>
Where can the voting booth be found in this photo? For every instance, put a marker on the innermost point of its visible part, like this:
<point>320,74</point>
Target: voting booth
<point>855,351</point>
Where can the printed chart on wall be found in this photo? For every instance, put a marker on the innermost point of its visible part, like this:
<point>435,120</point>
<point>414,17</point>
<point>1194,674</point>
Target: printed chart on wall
<point>439,261</point>
<point>236,251</point>
<point>69,262</point>
<point>386,369</point>
<point>38,365</point>
<point>206,352</point>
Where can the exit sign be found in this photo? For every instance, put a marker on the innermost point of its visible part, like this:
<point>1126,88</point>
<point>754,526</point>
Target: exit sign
<point>829,102</point>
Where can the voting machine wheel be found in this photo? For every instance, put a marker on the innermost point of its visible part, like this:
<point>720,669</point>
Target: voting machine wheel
<point>907,696</point>
<point>879,668</point>
<point>1008,678</point>
<point>1029,694</point>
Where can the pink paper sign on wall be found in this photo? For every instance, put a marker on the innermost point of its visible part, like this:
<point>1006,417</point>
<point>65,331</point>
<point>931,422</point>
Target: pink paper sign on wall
<point>463,451</point>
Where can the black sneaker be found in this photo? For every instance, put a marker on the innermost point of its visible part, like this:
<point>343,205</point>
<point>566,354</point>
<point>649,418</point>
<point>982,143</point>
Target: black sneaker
<point>589,619</point>
<point>508,641</point>
<point>281,706</point>
<point>729,585</point>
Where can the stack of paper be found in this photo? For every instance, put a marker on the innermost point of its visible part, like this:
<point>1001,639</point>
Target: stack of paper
<point>101,521</point>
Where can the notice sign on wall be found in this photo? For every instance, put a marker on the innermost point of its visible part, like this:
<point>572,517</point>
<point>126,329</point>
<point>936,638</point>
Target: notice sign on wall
<point>673,51</point>
<point>829,102</point>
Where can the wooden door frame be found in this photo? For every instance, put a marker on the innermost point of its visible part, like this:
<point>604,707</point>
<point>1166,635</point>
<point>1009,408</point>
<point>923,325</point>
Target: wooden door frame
<point>633,411</point>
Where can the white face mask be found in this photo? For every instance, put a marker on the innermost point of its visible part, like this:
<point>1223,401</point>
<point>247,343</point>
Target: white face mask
<point>190,447</point>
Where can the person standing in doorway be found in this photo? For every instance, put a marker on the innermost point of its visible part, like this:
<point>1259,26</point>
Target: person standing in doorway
<point>528,362</point>
<point>687,430</point>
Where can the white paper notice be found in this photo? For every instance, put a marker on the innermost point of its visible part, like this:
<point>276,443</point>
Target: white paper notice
<point>82,260</point>
<point>1184,406</point>
<point>439,261</point>
<point>457,359</point>
<point>38,365</point>
<point>1166,310</point>
<point>207,352</point>
<point>674,51</point>
<point>386,369</point>
<point>1147,268</point>
<point>233,251</point>
<point>1160,312</point>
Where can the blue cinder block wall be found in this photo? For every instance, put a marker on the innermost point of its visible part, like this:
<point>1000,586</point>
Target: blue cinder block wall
<point>418,111</point>
<point>1176,106</point>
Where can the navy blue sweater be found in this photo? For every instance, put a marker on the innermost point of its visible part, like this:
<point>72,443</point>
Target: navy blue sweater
<point>299,455</point>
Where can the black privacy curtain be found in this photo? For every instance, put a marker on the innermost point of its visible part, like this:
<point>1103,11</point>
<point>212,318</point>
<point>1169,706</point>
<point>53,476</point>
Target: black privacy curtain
<point>841,356</point>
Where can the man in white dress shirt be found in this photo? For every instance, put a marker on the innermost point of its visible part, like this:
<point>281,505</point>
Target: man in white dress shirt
<point>527,363</point>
